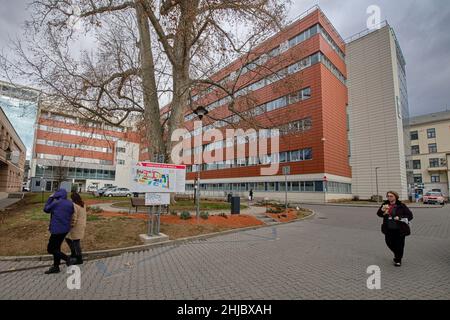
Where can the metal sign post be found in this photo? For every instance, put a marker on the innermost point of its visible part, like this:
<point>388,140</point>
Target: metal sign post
<point>155,201</point>
<point>286,172</point>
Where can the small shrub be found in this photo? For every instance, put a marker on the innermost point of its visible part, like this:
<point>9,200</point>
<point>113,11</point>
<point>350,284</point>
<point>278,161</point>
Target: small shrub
<point>95,209</point>
<point>355,198</point>
<point>275,210</point>
<point>223,215</point>
<point>173,213</point>
<point>185,215</point>
<point>204,215</point>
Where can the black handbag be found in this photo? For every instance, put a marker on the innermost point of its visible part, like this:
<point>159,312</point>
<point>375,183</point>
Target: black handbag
<point>391,223</point>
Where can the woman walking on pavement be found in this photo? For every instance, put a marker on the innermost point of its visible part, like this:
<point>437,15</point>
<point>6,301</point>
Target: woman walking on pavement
<point>61,211</point>
<point>76,234</point>
<point>396,217</point>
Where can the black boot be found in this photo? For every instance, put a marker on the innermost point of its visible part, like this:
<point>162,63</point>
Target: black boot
<point>79,260</point>
<point>54,269</point>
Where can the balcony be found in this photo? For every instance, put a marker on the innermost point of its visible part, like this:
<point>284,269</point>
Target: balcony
<point>438,169</point>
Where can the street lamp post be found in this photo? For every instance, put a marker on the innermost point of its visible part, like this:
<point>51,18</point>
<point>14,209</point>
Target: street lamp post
<point>376,181</point>
<point>200,112</point>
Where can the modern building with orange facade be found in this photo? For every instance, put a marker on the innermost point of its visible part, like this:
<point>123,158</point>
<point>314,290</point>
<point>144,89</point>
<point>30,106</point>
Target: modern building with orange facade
<point>87,153</point>
<point>296,82</point>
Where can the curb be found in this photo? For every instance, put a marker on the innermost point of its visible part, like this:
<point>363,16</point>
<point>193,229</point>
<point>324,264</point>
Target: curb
<point>363,206</point>
<point>94,255</point>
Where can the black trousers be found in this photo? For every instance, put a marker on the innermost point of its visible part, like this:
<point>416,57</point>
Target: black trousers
<point>54,248</point>
<point>75,248</point>
<point>396,242</point>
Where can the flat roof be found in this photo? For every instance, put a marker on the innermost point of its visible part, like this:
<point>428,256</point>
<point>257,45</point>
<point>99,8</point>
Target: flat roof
<point>431,117</point>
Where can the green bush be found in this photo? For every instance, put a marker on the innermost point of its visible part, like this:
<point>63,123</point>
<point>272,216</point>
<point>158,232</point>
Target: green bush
<point>204,215</point>
<point>185,215</point>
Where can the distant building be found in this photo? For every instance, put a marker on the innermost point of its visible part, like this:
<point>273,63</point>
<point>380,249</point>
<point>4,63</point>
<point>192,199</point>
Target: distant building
<point>430,153</point>
<point>378,113</point>
<point>69,148</point>
<point>12,156</point>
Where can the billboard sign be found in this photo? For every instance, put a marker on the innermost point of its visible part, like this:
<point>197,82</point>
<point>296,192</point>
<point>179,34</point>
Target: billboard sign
<point>149,177</point>
<point>157,199</point>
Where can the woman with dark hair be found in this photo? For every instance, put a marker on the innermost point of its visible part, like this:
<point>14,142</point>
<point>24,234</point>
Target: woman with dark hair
<point>76,234</point>
<point>396,217</point>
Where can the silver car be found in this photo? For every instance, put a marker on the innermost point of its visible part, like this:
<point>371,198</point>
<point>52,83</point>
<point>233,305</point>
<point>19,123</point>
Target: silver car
<point>118,192</point>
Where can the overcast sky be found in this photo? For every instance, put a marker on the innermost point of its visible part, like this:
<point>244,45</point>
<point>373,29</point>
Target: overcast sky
<point>422,27</point>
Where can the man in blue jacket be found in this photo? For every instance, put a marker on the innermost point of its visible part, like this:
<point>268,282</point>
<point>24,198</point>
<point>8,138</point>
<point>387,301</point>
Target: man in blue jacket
<point>61,211</point>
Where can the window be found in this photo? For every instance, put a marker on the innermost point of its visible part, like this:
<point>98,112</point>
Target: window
<point>432,148</point>
<point>121,162</point>
<point>414,135</point>
<point>417,164</point>
<point>435,178</point>
<point>295,156</point>
<point>431,133</point>
<point>415,150</point>
<point>307,154</point>
<point>306,93</point>
<point>418,178</point>
<point>434,163</point>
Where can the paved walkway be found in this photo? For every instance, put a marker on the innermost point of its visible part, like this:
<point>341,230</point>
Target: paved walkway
<point>325,257</point>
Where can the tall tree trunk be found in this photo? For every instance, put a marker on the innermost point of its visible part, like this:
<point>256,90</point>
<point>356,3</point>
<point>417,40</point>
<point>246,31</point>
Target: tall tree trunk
<point>152,118</point>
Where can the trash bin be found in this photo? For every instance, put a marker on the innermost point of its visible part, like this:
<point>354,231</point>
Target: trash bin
<point>235,205</point>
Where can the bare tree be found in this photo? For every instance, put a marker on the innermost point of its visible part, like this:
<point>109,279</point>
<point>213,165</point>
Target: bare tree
<point>141,50</point>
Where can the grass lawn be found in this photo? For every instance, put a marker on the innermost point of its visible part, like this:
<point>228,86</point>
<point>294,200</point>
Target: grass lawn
<point>24,228</point>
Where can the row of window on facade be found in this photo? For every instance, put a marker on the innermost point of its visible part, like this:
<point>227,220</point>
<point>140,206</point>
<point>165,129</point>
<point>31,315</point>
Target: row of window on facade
<point>292,186</point>
<point>276,76</point>
<point>73,159</point>
<point>74,173</point>
<point>435,178</point>
<point>432,148</point>
<point>67,145</point>
<point>80,121</point>
<point>299,126</point>
<point>263,59</point>
<point>433,163</point>
<point>282,157</point>
<point>89,135</point>
<point>431,134</point>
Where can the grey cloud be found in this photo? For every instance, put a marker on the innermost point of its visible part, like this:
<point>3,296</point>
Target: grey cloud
<point>422,27</point>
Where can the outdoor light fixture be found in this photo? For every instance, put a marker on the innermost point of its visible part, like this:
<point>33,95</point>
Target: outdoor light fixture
<point>201,112</point>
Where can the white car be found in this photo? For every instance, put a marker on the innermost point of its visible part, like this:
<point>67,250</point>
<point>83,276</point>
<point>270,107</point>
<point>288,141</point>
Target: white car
<point>91,188</point>
<point>118,192</point>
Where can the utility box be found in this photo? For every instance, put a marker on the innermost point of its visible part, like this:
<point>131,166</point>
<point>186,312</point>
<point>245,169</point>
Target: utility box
<point>235,205</point>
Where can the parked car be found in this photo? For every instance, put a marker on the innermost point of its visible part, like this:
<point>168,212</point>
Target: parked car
<point>118,192</point>
<point>101,192</point>
<point>92,188</point>
<point>434,198</point>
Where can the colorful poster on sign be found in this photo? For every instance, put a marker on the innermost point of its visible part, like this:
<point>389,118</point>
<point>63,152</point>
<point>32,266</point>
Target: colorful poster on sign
<point>158,177</point>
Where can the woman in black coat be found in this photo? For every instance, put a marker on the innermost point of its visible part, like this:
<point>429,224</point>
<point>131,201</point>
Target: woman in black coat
<point>396,217</point>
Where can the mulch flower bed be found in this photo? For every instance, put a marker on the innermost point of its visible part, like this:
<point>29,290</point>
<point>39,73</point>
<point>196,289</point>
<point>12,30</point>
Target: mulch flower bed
<point>233,221</point>
<point>291,215</point>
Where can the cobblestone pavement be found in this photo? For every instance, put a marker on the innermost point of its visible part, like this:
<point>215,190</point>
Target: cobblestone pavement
<point>325,257</point>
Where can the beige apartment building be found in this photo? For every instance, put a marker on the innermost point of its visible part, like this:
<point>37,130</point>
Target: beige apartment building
<point>12,157</point>
<point>430,153</point>
<point>378,113</point>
